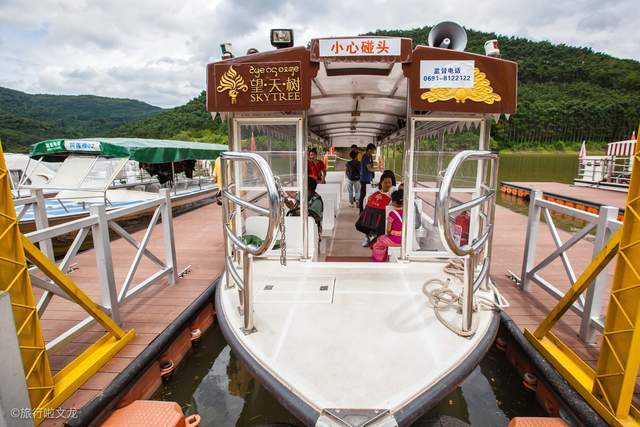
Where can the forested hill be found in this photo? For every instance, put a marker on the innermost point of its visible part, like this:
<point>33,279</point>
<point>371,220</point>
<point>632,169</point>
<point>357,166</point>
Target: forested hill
<point>187,122</point>
<point>26,119</point>
<point>565,94</point>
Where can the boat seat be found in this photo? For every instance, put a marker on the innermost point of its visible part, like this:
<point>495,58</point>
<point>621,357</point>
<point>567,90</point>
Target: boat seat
<point>376,177</point>
<point>257,226</point>
<point>336,177</point>
<point>333,190</point>
<point>328,215</point>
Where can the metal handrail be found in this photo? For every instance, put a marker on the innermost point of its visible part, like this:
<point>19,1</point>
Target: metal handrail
<point>472,249</point>
<point>443,209</point>
<point>273,197</point>
<point>274,213</point>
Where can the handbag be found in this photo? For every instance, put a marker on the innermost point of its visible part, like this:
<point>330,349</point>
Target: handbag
<point>372,218</point>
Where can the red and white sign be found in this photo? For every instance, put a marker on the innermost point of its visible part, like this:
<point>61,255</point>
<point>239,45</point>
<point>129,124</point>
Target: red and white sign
<point>360,46</point>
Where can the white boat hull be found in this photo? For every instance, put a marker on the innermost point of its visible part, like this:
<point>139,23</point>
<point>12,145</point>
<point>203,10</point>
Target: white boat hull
<point>351,340</point>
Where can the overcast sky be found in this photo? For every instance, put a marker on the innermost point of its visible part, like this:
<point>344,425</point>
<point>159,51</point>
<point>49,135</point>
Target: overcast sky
<point>156,50</point>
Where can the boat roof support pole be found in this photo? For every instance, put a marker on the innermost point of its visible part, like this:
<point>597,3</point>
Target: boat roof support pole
<point>493,183</point>
<point>173,178</point>
<point>235,145</point>
<point>440,152</point>
<point>301,141</point>
<point>407,179</point>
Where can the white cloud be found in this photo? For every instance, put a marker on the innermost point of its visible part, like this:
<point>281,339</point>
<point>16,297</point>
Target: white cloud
<point>156,50</point>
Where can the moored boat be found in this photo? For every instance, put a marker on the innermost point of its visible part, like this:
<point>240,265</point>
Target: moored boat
<point>352,343</point>
<point>117,172</point>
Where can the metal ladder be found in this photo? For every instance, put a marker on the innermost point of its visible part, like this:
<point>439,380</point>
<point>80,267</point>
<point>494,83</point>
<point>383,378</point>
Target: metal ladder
<point>484,204</point>
<point>235,249</point>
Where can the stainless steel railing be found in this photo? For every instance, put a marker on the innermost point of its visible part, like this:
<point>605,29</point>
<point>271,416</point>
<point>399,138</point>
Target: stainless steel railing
<point>232,220</point>
<point>482,207</point>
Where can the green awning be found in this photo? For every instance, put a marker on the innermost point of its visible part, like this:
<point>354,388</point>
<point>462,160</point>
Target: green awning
<point>141,150</point>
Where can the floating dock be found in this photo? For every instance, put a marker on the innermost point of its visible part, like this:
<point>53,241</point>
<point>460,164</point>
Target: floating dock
<point>587,199</point>
<point>199,244</point>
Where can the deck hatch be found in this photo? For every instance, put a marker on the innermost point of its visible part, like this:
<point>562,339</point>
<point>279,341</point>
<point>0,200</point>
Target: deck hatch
<point>282,289</point>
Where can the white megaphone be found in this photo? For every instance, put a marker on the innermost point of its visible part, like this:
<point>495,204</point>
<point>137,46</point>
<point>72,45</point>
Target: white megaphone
<point>448,35</point>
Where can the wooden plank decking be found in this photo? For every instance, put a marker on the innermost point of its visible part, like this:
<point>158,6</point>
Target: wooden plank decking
<point>595,196</point>
<point>198,243</point>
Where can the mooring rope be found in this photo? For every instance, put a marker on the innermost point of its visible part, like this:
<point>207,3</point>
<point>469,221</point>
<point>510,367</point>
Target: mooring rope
<point>443,296</point>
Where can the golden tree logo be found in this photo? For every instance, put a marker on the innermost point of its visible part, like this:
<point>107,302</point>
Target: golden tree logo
<point>232,82</point>
<point>480,92</point>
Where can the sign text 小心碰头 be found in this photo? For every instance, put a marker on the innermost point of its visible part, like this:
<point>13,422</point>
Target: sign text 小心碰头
<point>360,46</point>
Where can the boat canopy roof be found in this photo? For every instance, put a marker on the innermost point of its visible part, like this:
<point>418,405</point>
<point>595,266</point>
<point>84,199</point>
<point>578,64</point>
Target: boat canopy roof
<point>141,150</point>
<point>359,89</point>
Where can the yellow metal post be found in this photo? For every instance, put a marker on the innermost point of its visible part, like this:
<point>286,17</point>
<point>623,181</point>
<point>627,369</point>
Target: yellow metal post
<point>609,388</point>
<point>46,391</point>
<point>14,279</point>
<point>619,359</point>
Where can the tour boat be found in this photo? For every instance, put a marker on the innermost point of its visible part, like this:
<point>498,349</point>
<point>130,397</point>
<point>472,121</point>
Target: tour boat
<point>340,340</point>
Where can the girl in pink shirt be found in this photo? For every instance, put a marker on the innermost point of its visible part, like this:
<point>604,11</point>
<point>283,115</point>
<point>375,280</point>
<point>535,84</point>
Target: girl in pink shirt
<point>380,248</point>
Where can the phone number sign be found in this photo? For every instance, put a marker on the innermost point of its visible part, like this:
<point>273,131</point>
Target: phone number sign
<point>446,74</point>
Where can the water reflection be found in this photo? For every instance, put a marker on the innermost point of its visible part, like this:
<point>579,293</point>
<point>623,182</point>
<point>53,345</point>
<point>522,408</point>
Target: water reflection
<point>213,383</point>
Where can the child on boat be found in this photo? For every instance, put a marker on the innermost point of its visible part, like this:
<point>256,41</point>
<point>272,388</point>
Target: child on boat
<point>380,247</point>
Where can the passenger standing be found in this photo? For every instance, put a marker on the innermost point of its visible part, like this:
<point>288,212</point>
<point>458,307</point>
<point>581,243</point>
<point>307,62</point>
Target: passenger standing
<point>316,168</point>
<point>366,173</point>
<point>353,176</point>
<point>356,150</point>
<point>217,176</point>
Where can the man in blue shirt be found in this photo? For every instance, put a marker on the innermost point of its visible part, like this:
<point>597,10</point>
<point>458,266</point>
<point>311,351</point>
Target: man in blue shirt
<point>366,173</point>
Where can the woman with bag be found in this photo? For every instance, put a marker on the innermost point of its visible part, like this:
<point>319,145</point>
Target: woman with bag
<point>372,218</point>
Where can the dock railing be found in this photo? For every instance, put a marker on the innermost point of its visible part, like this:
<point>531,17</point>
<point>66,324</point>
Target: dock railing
<point>99,222</point>
<point>588,307</point>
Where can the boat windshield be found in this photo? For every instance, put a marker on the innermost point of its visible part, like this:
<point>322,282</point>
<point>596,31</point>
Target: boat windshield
<point>276,143</point>
<point>85,173</point>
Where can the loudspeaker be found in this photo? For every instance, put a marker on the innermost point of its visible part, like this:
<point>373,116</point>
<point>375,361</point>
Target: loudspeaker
<point>448,35</point>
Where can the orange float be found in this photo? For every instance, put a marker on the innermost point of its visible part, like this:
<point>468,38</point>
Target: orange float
<point>536,422</point>
<point>151,413</point>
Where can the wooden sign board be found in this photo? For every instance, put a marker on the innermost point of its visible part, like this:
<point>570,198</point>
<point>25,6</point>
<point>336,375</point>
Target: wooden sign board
<point>462,82</point>
<point>271,81</point>
<point>361,49</point>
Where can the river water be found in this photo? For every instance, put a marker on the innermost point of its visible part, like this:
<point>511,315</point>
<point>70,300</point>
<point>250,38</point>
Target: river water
<point>213,383</point>
<point>538,167</point>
